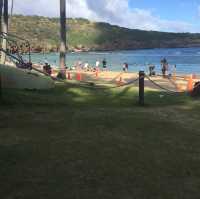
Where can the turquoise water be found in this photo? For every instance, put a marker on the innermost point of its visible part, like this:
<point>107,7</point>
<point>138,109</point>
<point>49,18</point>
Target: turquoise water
<point>187,60</point>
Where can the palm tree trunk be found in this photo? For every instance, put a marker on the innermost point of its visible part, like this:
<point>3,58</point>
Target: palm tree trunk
<point>62,35</point>
<point>1,11</point>
<point>5,30</point>
<point>11,13</point>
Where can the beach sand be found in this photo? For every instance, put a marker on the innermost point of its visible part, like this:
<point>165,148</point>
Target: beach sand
<point>173,83</point>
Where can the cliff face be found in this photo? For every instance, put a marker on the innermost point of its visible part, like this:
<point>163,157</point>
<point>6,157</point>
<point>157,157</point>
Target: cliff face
<point>83,35</point>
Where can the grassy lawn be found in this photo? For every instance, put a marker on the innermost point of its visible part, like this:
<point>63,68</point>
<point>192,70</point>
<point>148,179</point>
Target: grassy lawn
<point>80,143</point>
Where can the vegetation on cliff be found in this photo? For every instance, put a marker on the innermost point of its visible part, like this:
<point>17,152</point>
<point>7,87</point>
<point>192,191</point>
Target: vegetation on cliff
<point>43,34</point>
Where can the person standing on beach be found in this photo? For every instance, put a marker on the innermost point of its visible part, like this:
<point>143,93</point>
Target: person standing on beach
<point>104,62</point>
<point>86,66</point>
<point>97,65</point>
<point>164,65</point>
<point>47,68</point>
<point>126,66</point>
<point>79,65</point>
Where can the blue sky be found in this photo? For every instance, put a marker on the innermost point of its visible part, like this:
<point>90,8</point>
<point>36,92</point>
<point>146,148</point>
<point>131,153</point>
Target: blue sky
<point>186,10</point>
<point>160,15</point>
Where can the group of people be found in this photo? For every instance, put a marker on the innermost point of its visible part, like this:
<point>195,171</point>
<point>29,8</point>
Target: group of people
<point>165,68</point>
<point>87,67</point>
<point>98,65</point>
<point>79,65</point>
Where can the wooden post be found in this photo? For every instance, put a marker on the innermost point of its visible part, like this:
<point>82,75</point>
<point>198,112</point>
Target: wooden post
<point>1,11</point>
<point>5,30</point>
<point>0,88</point>
<point>63,46</point>
<point>141,88</point>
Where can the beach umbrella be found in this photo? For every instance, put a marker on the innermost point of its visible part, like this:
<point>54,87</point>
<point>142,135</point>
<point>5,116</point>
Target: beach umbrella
<point>62,35</point>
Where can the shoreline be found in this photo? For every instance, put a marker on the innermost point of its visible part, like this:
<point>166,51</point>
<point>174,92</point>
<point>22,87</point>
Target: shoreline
<point>175,82</point>
<point>186,59</point>
<point>113,50</point>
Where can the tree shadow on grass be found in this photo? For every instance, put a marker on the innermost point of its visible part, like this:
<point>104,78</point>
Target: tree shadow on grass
<point>77,96</point>
<point>160,98</point>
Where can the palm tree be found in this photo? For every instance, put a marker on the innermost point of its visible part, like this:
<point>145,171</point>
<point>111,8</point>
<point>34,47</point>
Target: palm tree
<point>62,35</point>
<point>11,11</point>
<point>1,11</point>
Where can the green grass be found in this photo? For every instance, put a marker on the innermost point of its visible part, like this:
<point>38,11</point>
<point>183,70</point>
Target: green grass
<point>72,142</point>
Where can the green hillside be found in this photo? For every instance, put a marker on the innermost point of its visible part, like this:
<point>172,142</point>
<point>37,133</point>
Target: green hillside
<point>43,33</point>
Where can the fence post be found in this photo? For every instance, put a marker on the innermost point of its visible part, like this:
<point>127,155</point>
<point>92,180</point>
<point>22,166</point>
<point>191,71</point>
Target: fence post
<point>141,87</point>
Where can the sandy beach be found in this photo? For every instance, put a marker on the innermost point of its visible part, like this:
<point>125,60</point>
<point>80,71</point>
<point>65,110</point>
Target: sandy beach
<point>174,83</point>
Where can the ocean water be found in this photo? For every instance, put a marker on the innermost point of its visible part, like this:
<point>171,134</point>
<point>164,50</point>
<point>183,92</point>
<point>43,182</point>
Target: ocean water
<point>187,60</point>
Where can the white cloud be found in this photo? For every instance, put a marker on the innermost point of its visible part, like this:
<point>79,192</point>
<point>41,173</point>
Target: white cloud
<point>36,7</point>
<point>116,12</point>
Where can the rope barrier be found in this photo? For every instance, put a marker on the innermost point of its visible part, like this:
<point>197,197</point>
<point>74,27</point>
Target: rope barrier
<point>115,78</point>
<point>94,86</point>
<point>113,87</point>
<point>167,76</point>
<point>161,87</point>
<point>102,87</point>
